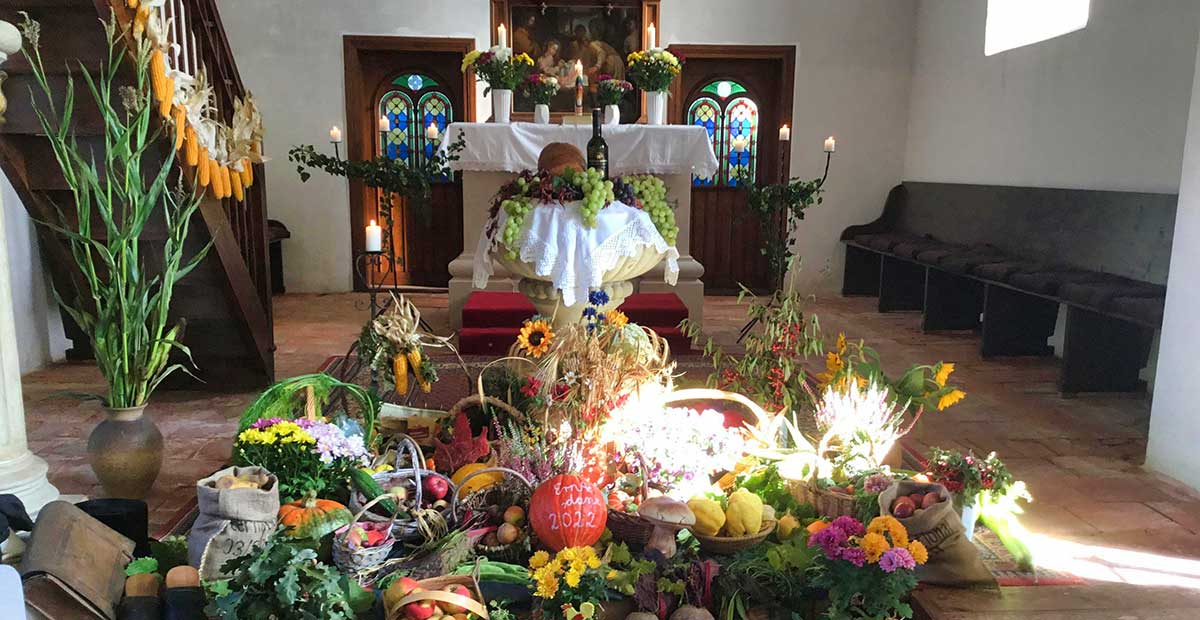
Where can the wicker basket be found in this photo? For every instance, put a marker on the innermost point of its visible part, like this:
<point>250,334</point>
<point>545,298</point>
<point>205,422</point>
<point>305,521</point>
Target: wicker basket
<point>431,590</point>
<point>410,478</point>
<point>728,545</point>
<point>352,560</point>
<point>631,528</point>
<point>828,503</point>
<point>515,489</point>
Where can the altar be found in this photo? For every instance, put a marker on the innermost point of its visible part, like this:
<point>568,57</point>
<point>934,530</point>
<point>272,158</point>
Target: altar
<point>495,152</point>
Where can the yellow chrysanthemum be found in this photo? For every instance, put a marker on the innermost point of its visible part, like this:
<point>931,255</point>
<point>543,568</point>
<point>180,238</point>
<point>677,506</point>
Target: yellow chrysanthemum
<point>613,574</point>
<point>547,586</point>
<point>592,562</point>
<point>539,559</point>
<point>943,373</point>
<point>536,337</point>
<point>573,578</point>
<point>617,319</point>
<point>950,398</point>
<point>873,545</point>
<point>523,57</point>
<point>918,551</point>
<point>469,59</point>
<point>890,526</point>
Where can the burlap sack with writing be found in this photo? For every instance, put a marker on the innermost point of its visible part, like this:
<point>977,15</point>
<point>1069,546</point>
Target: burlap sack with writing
<point>231,521</point>
<point>953,560</point>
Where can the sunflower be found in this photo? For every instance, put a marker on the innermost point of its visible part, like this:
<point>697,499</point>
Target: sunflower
<point>950,398</point>
<point>943,373</point>
<point>617,319</point>
<point>536,337</point>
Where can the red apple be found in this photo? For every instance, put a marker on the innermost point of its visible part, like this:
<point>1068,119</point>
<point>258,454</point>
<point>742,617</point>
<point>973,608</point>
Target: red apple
<point>916,498</point>
<point>515,515</point>
<point>460,590</point>
<point>420,610</point>
<point>435,488</point>
<point>903,507</point>
<point>930,499</point>
<point>408,585</point>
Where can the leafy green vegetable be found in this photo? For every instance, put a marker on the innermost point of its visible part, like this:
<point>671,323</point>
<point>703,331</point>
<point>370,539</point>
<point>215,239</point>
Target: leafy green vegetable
<point>774,490</point>
<point>170,552</point>
<point>141,566</point>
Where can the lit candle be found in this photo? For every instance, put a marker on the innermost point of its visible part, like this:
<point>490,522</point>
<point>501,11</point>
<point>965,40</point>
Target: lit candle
<point>374,237</point>
<point>785,133</point>
<point>830,144</point>
<point>431,132</point>
<point>502,34</point>
<point>651,36</point>
<point>335,134</point>
<point>578,72</point>
<point>384,124</point>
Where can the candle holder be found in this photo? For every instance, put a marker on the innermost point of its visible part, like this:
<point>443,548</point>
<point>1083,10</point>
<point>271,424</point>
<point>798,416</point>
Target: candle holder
<point>365,264</point>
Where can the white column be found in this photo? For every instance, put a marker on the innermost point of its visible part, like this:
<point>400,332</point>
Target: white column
<point>21,473</point>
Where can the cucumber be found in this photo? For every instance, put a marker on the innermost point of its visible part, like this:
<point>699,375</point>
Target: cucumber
<point>371,489</point>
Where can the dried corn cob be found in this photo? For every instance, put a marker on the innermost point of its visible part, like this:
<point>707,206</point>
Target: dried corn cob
<point>180,119</point>
<point>247,173</point>
<point>203,172</point>
<point>164,104</point>
<point>192,150</point>
<point>235,185</point>
<point>140,20</point>
<point>158,73</point>
<point>131,3</point>
<point>226,182</point>
<point>414,362</point>
<point>400,370</point>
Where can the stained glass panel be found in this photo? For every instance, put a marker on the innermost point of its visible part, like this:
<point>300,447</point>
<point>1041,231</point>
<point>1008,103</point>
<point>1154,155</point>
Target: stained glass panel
<point>741,141</point>
<point>706,113</point>
<point>717,87</point>
<point>397,143</point>
<point>414,81</point>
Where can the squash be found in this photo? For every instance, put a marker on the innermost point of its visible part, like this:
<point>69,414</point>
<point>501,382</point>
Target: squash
<point>789,525</point>
<point>567,511</point>
<point>709,516</point>
<point>313,518</point>
<point>478,483</point>
<point>744,515</point>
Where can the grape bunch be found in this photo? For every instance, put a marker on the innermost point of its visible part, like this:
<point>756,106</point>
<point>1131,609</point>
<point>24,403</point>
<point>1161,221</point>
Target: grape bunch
<point>653,193</point>
<point>517,208</point>
<point>623,192</point>
<point>597,194</point>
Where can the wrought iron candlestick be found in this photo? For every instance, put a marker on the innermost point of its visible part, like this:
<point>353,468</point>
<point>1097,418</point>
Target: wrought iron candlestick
<point>380,264</point>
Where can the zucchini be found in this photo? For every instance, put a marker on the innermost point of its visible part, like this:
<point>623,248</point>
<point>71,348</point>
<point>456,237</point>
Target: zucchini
<point>371,489</point>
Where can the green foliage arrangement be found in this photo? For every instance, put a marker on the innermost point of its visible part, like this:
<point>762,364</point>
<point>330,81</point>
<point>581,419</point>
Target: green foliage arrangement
<point>779,208</point>
<point>284,579</point>
<point>120,305</point>
<point>771,576</point>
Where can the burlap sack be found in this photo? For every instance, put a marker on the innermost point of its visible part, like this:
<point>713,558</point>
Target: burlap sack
<point>953,560</point>
<point>231,521</point>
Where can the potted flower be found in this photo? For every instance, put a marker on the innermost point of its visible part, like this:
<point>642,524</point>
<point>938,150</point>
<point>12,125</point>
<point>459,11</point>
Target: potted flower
<point>570,584</point>
<point>119,299</point>
<point>868,571</point>
<point>307,455</point>
<point>653,71</point>
<point>968,477</point>
<point>541,88</point>
<point>610,91</point>
<point>503,72</point>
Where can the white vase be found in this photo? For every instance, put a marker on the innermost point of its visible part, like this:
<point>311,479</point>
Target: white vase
<point>541,113</point>
<point>501,105</point>
<point>970,514</point>
<point>656,107</point>
<point>612,114</point>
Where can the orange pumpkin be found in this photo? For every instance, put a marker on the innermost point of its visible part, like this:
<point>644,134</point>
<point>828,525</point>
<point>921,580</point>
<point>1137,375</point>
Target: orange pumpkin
<point>557,157</point>
<point>567,511</point>
<point>313,518</point>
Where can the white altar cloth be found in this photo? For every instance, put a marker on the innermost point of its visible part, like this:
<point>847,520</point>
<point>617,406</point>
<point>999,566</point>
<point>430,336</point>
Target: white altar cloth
<point>573,257</point>
<point>632,149</point>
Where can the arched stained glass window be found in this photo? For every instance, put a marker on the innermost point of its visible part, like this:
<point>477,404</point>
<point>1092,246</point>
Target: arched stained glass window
<point>409,139</point>
<point>706,113</point>
<point>724,108</point>
<point>398,108</point>
<point>741,143</point>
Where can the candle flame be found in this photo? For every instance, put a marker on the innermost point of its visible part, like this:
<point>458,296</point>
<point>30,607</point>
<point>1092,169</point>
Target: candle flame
<point>372,223</point>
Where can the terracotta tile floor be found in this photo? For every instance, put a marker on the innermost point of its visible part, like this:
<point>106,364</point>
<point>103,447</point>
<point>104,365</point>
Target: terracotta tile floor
<point>1096,511</point>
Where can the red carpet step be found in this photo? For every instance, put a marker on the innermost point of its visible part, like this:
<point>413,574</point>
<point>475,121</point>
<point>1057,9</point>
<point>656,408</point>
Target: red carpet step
<point>491,320</point>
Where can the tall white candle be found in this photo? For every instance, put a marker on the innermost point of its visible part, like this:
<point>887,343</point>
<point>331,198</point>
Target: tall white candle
<point>431,132</point>
<point>502,35</point>
<point>651,36</point>
<point>374,237</point>
<point>785,133</point>
<point>830,144</point>
<point>335,134</point>
<point>384,124</point>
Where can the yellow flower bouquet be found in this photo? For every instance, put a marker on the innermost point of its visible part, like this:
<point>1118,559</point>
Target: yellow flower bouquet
<point>653,70</point>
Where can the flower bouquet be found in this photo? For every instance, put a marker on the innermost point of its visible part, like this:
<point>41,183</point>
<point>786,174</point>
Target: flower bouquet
<point>541,89</point>
<point>653,71</point>
<point>610,91</point>
<point>503,72</point>
<point>308,456</point>
<point>868,571</point>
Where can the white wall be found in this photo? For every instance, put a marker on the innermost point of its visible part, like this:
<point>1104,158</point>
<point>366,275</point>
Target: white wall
<point>852,76</point>
<point>39,328</point>
<point>1101,108</point>
<point>1174,425</point>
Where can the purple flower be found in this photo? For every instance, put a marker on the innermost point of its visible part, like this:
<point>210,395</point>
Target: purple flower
<point>877,483</point>
<point>831,540</point>
<point>849,525</point>
<point>265,422</point>
<point>896,557</point>
<point>854,555</point>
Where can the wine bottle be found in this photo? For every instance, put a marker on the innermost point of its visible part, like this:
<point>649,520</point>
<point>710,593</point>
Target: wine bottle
<point>597,148</point>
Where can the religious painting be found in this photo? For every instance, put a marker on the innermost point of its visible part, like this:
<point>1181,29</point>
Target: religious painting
<point>573,40</point>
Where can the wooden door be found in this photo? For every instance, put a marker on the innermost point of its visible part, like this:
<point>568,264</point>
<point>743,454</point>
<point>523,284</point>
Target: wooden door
<point>741,95</point>
<point>415,82</point>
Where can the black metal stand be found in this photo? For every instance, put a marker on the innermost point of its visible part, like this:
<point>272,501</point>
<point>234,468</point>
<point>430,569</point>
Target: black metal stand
<point>378,263</point>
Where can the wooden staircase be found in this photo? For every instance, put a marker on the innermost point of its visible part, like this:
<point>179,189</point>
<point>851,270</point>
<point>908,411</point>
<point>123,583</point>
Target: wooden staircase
<point>226,300</point>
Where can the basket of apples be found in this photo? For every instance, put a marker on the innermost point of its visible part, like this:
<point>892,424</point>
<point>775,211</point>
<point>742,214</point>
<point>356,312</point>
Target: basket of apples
<point>498,511</point>
<point>364,545</point>
<point>451,597</point>
<point>422,493</point>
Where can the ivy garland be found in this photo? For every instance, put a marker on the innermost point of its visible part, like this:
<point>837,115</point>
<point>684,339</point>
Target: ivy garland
<point>779,208</point>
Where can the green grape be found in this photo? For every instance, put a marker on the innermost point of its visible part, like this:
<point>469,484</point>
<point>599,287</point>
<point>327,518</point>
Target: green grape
<point>652,193</point>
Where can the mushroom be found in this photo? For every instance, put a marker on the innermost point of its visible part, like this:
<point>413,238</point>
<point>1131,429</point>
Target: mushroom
<point>668,516</point>
<point>687,612</point>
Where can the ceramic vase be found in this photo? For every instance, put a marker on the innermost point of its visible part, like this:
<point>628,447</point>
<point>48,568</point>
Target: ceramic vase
<point>970,514</point>
<point>612,114</point>
<point>501,105</point>
<point>656,107</point>
<point>126,452</point>
<point>541,114</point>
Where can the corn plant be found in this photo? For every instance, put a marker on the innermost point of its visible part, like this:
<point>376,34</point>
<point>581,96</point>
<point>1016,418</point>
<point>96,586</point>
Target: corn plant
<point>122,307</point>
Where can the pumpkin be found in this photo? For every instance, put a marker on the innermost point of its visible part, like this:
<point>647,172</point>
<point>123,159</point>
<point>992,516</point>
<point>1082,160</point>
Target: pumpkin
<point>478,483</point>
<point>567,511</point>
<point>557,157</point>
<point>313,518</point>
